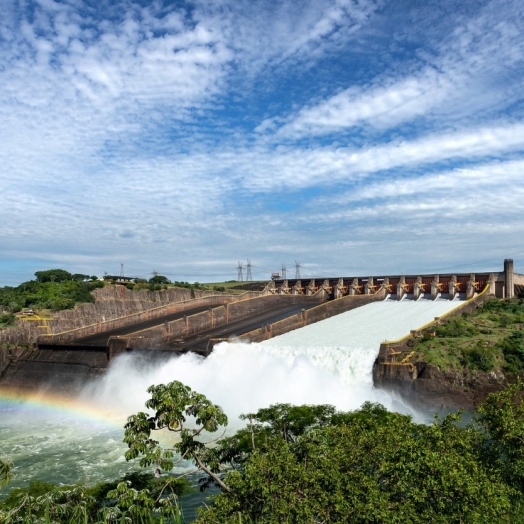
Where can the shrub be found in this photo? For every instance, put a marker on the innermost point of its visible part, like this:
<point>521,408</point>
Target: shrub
<point>479,357</point>
<point>456,327</point>
<point>512,347</point>
<point>7,319</point>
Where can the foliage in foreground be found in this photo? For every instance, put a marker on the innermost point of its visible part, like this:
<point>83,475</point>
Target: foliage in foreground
<point>309,464</point>
<point>5,473</point>
<point>137,497</point>
<point>312,464</point>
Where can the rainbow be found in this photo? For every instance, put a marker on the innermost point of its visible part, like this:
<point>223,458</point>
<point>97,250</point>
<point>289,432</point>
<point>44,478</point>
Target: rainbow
<point>52,402</point>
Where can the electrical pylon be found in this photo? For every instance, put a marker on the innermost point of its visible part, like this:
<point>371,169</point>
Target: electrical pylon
<point>297,270</point>
<point>240,277</point>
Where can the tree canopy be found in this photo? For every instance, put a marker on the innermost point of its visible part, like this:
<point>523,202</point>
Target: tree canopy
<point>312,464</point>
<point>309,464</point>
<point>159,279</point>
<point>55,289</point>
<point>53,275</point>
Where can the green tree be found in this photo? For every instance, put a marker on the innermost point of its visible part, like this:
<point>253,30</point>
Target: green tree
<point>159,279</point>
<point>53,275</point>
<point>5,473</point>
<point>502,416</point>
<point>80,277</point>
<point>173,404</point>
<point>368,467</point>
<point>309,464</point>
<point>136,498</point>
<point>7,319</point>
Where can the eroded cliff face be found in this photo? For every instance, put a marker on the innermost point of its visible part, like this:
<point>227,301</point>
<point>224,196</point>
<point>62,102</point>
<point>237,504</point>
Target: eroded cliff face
<point>444,390</point>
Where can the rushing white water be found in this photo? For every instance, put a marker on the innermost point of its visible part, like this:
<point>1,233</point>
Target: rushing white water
<point>327,362</point>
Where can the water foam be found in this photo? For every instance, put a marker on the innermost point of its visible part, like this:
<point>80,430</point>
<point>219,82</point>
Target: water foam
<point>329,362</point>
<point>326,363</point>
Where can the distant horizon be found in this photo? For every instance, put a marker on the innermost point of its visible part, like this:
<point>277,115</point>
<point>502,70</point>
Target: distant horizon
<point>290,276</point>
<point>182,137</point>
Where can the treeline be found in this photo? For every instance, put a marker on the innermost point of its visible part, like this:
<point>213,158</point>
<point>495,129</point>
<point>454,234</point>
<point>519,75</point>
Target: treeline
<point>158,282</point>
<point>308,464</point>
<point>55,289</point>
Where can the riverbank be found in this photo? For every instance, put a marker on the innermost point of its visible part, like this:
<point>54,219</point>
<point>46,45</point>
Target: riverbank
<point>456,361</point>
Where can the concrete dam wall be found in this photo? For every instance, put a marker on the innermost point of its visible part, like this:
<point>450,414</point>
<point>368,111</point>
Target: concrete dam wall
<point>78,345</point>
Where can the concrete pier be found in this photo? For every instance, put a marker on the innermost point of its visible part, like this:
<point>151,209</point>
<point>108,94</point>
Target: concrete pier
<point>502,284</point>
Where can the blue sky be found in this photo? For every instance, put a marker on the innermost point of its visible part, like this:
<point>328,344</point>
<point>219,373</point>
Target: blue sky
<point>356,137</point>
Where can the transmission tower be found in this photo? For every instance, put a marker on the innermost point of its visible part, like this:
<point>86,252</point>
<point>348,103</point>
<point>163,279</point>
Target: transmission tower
<point>240,277</point>
<point>297,270</point>
<point>284,270</point>
<point>249,277</point>
<point>121,270</point>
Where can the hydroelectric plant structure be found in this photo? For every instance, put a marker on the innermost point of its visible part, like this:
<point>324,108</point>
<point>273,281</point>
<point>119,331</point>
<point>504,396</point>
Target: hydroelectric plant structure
<point>69,359</point>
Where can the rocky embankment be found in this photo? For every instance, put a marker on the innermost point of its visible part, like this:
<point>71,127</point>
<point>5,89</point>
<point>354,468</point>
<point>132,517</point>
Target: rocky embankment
<point>459,359</point>
<point>434,388</point>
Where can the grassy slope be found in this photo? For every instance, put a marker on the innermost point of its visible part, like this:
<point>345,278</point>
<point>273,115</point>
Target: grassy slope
<point>490,339</point>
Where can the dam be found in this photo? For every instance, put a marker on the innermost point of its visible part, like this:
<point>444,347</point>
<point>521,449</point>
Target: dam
<point>329,362</point>
<point>71,358</point>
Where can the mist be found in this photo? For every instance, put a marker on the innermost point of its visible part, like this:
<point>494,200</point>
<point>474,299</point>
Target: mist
<point>329,362</point>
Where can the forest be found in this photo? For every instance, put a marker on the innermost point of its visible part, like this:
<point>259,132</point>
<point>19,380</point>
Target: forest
<point>54,290</point>
<point>303,464</point>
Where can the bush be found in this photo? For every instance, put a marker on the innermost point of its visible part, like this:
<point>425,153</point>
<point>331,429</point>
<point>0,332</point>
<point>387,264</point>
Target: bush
<point>479,357</point>
<point>456,327</point>
<point>512,347</point>
<point>7,319</point>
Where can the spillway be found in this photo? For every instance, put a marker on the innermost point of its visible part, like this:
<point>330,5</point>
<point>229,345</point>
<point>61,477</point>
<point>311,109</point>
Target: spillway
<point>327,362</point>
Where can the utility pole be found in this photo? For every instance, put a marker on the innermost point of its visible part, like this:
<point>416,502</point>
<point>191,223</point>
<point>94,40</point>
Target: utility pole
<point>249,277</point>
<point>297,270</point>
<point>240,277</point>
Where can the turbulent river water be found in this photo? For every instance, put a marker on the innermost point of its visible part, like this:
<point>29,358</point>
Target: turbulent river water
<point>79,440</point>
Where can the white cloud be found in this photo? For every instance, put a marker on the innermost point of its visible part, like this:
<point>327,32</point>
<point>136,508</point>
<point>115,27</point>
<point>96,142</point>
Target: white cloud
<point>459,82</point>
<point>297,167</point>
<point>125,135</point>
<point>276,33</point>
